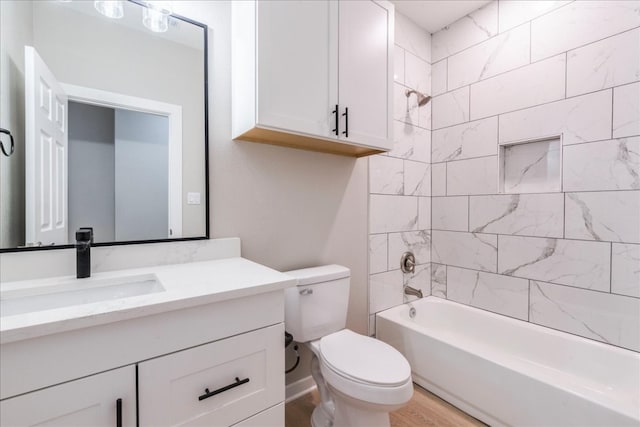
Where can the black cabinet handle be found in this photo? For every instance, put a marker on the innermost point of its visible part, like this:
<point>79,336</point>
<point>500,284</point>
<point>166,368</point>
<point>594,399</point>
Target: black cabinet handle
<point>335,115</point>
<point>207,394</point>
<point>119,413</point>
<point>345,132</point>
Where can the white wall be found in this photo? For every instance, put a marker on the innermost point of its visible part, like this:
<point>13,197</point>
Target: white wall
<point>521,70</point>
<point>15,31</point>
<point>400,180</point>
<point>291,208</point>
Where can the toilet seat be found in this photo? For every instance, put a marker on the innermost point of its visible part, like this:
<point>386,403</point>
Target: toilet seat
<point>365,368</point>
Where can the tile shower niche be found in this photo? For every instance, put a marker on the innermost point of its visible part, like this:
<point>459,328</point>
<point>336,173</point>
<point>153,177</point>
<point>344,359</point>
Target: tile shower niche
<point>531,166</point>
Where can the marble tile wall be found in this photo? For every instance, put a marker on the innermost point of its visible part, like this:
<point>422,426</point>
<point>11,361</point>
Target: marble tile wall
<point>400,180</point>
<point>566,258</point>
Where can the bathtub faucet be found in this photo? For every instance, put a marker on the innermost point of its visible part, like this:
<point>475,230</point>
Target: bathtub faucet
<point>408,290</point>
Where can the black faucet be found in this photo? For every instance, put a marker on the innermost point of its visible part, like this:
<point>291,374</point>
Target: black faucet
<point>84,240</point>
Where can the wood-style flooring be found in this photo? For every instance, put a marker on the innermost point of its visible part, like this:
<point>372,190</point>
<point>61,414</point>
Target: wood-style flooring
<point>424,409</point>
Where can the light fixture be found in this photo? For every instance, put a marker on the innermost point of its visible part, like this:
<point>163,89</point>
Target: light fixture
<point>156,15</point>
<point>110,8</point>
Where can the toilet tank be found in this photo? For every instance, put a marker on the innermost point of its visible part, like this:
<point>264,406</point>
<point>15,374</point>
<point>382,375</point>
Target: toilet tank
<point>318,305</point>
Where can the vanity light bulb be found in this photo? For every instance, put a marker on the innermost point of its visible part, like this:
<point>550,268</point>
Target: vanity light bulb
<point>156,16</point>
<point>110,8</point>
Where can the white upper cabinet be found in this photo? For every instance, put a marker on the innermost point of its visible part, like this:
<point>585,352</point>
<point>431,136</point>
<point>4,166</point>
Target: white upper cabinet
<point>315,75</point>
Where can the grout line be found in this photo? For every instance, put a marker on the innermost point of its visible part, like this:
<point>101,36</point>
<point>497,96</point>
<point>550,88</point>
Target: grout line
<point>469,119</point>
<point>498,19</point>
<point>532,106</point>
<point>564,215</point>
<point>530,40</point>
<point>531,48</point>
<point>525,194</point>
<point>612,105</point>
<point>466,158</point>
<point>447,75</point>
<point>611,269</point>
<point>446,179</point>
<point>497,34</point>
<point>497,253</point>
<point>527,236</point>
<point>529,300</point>
<point>579,144</point>
<point>537,280</point>
<point>566,72</point>
<point>531,62</point>
<point>446,288</point>
<point>469,213</point>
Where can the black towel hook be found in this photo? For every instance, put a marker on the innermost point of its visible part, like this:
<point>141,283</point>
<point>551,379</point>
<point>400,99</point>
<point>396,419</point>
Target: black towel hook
<point>2,145</point>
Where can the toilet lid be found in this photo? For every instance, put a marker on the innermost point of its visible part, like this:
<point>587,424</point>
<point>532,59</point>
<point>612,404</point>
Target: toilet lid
<point>364,359</point>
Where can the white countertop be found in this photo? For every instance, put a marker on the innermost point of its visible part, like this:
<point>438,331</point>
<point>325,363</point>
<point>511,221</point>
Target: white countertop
<point>186,285</point>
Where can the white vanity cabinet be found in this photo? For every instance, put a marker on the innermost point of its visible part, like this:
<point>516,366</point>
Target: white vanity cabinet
<point>315,75</point>
<point>103,400</point>
<point>166,361</point>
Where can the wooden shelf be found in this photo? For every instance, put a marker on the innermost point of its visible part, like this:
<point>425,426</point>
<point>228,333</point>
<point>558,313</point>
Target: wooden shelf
<point>287,139</point>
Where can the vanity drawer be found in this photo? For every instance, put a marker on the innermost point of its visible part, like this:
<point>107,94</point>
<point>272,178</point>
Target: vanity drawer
<point>172,388</point>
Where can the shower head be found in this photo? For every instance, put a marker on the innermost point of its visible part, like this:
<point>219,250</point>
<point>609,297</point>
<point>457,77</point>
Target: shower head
<point>422,98</point>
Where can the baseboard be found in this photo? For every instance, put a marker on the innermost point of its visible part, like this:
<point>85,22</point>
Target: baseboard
<point>299,388</point>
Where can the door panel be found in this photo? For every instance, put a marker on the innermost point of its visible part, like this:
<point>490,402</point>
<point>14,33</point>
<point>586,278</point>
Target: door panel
<point>45,154</point>
<point>88,402</point>
<point>365,72</point>
<point>297,76</point>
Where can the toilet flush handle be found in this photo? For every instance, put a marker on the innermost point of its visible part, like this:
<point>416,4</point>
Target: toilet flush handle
<point>306,291</point>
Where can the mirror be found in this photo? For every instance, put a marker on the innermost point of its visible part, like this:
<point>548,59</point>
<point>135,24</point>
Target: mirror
<point>107,104</point>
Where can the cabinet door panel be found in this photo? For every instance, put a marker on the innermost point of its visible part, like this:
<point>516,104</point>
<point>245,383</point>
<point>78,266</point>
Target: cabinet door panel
<point>170,387</point>
<point>297,68</point>
<point>365,74</point>
<point>88,402</point>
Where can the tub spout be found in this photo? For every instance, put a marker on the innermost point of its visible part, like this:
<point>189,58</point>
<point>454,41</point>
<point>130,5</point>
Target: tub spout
<point>408,290</point>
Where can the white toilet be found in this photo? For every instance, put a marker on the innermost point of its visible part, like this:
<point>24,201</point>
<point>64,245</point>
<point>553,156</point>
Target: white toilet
<point>360,379</point>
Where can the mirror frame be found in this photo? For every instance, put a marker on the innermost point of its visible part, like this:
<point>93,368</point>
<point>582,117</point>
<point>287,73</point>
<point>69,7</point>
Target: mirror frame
<point>205,29</point>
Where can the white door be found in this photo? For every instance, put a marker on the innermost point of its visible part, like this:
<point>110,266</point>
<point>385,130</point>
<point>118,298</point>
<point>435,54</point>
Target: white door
<point>365,72</point>
<point>45,154</point>
<point>88,402</point>
<point>297,63</point>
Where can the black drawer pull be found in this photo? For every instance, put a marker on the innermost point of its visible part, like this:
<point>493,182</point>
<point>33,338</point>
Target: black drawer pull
<point>119,413</point>
<point>208,393</point>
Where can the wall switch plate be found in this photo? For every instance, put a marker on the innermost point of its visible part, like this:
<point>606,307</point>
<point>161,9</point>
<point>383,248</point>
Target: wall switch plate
<point>193,198</point>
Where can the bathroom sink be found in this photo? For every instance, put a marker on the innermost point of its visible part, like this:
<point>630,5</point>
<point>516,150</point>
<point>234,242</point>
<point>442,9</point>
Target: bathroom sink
<point>75,292</point>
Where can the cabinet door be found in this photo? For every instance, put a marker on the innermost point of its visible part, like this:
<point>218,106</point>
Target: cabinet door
<point>88,402</point>
<point>365,71</point>
<point>216,384</point>
<point>297,65</point>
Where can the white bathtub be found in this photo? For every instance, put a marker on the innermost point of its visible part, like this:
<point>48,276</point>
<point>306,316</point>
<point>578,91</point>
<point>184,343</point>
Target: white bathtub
<point>509,372</point>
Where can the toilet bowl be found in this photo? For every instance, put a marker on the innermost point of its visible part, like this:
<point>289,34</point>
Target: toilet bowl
<point>360,379</point>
